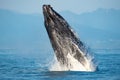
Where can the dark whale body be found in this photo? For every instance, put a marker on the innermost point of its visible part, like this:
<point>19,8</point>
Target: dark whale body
<point>63,39</point>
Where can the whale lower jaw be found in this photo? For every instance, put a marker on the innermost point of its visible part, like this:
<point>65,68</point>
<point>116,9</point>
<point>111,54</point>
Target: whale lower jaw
<point>70,52</point>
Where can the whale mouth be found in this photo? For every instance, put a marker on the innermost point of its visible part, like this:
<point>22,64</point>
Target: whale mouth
<point>49,17</point>
<point>46,9</point>
<point>51,14</point>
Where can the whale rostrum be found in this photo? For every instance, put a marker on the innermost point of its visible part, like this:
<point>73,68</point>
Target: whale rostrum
<point>64,40</point>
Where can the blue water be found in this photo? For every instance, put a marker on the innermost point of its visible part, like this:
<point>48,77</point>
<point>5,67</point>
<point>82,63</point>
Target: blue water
<point>26,67</point>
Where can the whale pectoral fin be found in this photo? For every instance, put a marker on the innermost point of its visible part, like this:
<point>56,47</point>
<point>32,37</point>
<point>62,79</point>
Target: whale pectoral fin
<point>79,57</point>
<point>77,54</point>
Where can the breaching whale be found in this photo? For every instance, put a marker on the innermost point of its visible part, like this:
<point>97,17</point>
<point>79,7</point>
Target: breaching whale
<point>65,42</point>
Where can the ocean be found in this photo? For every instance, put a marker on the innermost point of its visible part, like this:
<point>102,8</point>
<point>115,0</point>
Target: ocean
<point>16,66</point>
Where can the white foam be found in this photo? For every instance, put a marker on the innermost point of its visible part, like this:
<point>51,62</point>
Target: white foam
<point>75,65</point>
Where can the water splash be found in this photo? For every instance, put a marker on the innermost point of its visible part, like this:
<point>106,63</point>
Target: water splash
<point>74,65</point>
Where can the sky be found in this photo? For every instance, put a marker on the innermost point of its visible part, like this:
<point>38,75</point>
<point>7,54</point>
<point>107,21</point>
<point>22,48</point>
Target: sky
<point>75,6</point>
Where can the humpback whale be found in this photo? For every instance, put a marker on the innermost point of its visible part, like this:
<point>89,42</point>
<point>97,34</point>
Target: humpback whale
<point>65,42</point>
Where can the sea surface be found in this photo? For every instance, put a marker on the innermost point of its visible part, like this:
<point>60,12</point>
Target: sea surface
<point>16,66</point>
